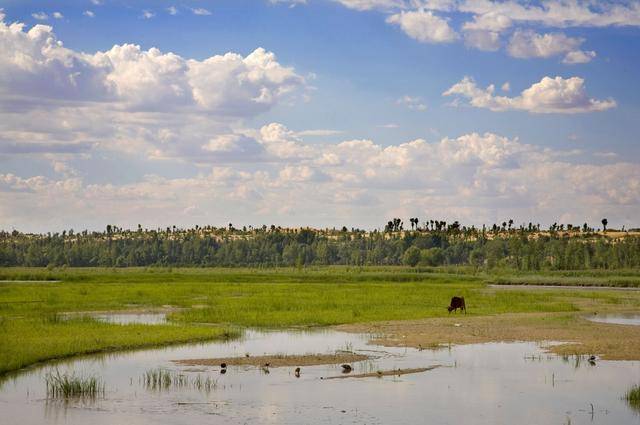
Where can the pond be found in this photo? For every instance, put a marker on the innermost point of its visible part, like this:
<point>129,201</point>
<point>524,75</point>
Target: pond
<point>618,319</point>
<point>497,383</point>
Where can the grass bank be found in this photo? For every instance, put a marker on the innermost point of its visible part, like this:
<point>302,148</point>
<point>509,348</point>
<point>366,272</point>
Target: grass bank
<point>28,341</point>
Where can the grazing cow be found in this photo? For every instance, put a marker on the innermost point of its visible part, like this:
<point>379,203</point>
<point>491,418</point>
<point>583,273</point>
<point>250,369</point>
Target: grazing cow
<point>457,303</point>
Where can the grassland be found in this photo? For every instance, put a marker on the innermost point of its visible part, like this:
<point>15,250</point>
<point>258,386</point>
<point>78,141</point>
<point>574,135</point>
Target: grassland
<point>31,300</point>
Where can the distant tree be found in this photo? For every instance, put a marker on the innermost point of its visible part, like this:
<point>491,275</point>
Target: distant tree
<point>411,256</point>
<point>604,224</point>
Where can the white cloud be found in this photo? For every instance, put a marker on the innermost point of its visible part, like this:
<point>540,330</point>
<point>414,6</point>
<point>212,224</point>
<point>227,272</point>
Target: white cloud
<point>483,32</point>
<point>560,13</point>
<point>201,11</point>
<point>58,15</point>
<point>147,14</point>
<point>475,177</point>
<point>34,64</point>
<point>579,56</point>
<point>424,26</point>
<point>89,13</point>
<point>318,133</point>
<point>41,16</point>
<point>372,4</point>
<point>172,10</point>
<point>528,44</point>
<point>414,103</point>
<point>506,87</point>
<point>97,2</point>
<point>550,95</point>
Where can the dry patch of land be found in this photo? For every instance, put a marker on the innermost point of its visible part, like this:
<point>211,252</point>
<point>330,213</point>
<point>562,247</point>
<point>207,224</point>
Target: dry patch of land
<point>278,360</point>
<point>381,373</point>
<point>578,335</point>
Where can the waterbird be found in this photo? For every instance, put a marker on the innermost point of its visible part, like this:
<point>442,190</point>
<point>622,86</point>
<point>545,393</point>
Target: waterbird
<point>223,365</point>
<point>297,372</point>
<point>346,368</point>
<point>223,371</point>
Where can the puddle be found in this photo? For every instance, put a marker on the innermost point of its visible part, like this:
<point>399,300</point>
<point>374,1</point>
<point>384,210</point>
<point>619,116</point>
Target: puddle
<point>496,383</point>
<point>123,318</point>
<point>618,319</point>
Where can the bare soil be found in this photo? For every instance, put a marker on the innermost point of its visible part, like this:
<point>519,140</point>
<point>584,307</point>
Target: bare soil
<point>381,373</point>
<point>278,360</point>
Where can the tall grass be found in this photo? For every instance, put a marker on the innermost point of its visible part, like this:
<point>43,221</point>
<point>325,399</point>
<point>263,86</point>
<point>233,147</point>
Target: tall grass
<point>632,396</point>
<point>162,379</point>
<point>65,386</point>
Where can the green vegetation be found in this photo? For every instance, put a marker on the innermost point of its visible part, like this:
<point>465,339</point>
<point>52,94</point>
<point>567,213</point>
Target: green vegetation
<point>28,340</point>
<point>435,243</point>
<point>68,386</point>
<point>32,328</point>
<point>162,379</point>
<point>633,397</point>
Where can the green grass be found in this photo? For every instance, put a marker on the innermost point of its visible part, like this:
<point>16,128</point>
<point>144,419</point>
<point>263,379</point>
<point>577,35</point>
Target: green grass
<point>28,341</point>
<point>31,330</point>
<point>632,396</point>
<point>65,386</point>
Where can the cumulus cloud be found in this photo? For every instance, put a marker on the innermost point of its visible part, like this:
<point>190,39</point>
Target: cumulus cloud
<point>424,26</point>
<point>34,63</point>
<point>476,177</point>
<point>529,44</point>
<point>89,13</point>
<point>147,14</point>
<point>579,56</point>
<point>550,95</point>
<point>58,15</point>
<point>483,32</point>
<point>172,10</point>
<point>560,13</point>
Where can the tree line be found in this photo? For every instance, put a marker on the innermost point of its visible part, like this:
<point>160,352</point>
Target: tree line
<point>430,243</point>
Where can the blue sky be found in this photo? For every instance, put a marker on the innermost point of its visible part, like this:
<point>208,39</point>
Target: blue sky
<point>341,119</point>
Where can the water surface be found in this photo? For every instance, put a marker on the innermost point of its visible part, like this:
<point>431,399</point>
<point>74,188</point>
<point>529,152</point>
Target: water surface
<point>498,383</point>
<point>618,319</point>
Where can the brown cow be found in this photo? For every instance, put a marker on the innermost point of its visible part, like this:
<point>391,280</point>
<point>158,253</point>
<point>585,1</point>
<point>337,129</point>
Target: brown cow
<point>457,303</point>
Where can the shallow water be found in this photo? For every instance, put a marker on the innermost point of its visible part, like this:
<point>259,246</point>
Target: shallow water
<point>130,318</point>
<point>618,319</point>
<point>122,318</point>
<point>498,383</point>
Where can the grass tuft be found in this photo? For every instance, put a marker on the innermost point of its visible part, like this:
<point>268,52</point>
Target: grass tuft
<point>65,386</point>
<point>632,396</point>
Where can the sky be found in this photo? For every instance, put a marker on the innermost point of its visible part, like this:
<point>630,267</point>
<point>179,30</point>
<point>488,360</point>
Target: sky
<point>318,113</point>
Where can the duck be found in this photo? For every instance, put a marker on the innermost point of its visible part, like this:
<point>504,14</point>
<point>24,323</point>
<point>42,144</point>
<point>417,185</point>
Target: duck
<point>223,365</point>
<point>346,368</point>
<point>297,372</point>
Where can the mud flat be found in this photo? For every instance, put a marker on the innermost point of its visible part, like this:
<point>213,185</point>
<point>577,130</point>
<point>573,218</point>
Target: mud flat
<point>278,360</point>
<point>381,373</point>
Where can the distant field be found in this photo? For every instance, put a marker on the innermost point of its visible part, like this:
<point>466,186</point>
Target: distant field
<point>257,297</point>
